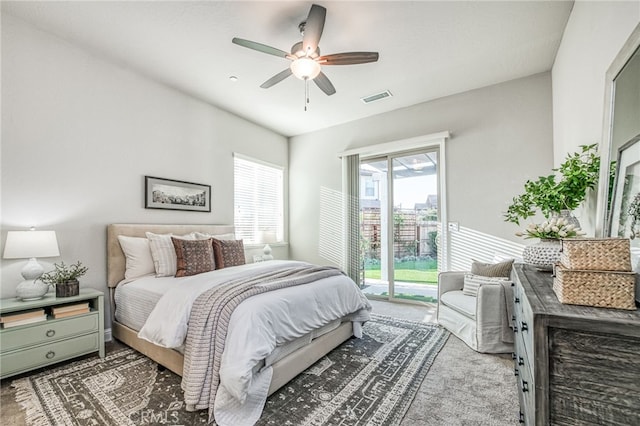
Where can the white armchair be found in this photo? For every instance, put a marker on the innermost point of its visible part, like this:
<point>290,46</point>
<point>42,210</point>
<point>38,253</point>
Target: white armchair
<point>482,322</point>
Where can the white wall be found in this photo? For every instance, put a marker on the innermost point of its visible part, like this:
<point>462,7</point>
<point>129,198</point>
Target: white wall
<point>595,33</point>
<point>78,136</point>
<point>501,136</point>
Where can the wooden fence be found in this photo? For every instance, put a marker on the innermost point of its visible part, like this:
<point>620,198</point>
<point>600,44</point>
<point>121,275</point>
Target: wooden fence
<point>410,233</point>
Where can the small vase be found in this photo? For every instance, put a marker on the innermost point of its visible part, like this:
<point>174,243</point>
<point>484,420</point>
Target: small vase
<point>542,255</point>
<point>68,288</point>
<point>569,217</point>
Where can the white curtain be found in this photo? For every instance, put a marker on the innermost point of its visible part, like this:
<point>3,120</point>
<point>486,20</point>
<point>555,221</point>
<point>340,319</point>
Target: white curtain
<point>351,190</point>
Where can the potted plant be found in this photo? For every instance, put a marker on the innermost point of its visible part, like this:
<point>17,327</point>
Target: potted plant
<point>553,195</point>
<point>65,278</point>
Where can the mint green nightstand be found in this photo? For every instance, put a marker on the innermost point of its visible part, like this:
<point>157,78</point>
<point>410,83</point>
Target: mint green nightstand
<point>30,346</point>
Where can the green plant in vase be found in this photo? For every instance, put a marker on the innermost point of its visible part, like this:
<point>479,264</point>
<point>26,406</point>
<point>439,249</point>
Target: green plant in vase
<point>553,194</point>
<point>65,278</point>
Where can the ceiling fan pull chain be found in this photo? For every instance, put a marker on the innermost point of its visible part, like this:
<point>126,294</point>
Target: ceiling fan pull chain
<point>306,93</point>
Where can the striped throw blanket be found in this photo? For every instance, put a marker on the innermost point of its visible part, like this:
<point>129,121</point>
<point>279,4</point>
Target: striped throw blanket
<point>209,321</point>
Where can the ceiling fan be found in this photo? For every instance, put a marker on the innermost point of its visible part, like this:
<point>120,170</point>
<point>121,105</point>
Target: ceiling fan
<point>306,61</point>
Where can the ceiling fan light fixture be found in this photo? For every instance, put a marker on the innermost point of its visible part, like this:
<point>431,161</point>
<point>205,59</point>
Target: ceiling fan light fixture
<point>305,68</point>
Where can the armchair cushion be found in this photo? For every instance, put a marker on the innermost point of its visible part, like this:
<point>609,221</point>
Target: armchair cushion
<point>460,302</point>
<point>501,269</point>
<point>473,282</point>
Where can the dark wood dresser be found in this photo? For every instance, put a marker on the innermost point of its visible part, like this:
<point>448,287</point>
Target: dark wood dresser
<point>574,365</point>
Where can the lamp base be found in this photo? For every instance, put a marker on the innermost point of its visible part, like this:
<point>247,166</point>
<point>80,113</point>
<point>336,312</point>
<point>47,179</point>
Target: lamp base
<point>31,290</point>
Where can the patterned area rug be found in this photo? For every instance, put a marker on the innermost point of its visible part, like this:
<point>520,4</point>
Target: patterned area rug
<point>368,381</point>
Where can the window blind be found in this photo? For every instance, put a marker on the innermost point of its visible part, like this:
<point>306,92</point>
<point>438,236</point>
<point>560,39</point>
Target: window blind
<point>258,201</point>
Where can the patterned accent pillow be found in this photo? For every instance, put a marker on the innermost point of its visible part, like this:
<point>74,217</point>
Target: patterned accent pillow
<point>472,283</point>
<point>193,256</point>
<point>502,269</point>
<point>163,253</point>
<point>228,253</point>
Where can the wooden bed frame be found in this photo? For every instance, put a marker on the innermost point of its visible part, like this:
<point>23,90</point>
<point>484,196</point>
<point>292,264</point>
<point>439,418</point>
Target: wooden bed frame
<point>283,370</point>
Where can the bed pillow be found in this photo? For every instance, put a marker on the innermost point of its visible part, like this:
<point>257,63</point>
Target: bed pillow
<point>193,256</point>
<point>501,269</point>
<point>472,283</point>
<point>228,253</point>
<point>137,254</point>
<point>204,236</point>
<point>163,253</point>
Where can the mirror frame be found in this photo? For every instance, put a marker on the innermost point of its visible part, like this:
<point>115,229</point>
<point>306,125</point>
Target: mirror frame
<point>632,44</point>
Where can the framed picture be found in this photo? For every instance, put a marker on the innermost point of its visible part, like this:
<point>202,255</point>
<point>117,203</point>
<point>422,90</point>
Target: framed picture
<point>626,188</point>
<point>171,194</point>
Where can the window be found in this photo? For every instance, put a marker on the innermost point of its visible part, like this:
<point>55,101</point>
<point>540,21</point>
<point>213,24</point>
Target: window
<point>258,201</point>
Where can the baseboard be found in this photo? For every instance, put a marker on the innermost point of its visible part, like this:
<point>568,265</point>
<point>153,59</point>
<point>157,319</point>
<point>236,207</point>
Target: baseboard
<point>107,335</point>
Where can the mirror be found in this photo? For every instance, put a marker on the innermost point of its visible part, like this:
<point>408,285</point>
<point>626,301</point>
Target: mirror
<point>620,133</point>
<point>620,150</point>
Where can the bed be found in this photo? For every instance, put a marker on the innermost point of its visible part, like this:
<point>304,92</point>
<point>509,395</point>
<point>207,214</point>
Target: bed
<point>286,361</point>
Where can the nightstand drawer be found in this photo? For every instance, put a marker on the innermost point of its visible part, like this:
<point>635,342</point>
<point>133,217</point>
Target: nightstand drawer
<point>38,356</point>
<point>47,331</point>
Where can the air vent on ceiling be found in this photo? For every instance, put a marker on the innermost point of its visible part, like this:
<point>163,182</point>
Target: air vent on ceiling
<point>376,97</point>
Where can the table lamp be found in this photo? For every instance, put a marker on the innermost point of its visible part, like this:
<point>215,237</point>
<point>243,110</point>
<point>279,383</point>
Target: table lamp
<point>29,245</point>
<point>267,237</point>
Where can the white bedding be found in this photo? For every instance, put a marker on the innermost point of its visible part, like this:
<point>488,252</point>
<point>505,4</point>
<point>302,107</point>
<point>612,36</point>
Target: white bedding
<point>256,327</point>
<point>136,299</point>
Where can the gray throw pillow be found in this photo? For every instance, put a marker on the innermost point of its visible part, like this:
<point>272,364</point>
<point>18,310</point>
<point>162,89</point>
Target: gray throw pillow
<point>502,269</point>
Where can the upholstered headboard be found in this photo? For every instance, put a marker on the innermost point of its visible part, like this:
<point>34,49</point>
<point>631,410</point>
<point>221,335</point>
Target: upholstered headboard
<point>115,256</point>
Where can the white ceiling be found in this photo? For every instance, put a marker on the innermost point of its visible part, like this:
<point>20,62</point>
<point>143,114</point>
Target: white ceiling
<point>427,49</point>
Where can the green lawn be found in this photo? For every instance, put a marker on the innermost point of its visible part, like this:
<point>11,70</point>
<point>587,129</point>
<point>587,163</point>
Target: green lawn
<point>408,275</point>
<point>421,271</point>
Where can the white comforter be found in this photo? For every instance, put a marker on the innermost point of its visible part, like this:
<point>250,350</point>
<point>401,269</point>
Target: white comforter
<point>256,327</point>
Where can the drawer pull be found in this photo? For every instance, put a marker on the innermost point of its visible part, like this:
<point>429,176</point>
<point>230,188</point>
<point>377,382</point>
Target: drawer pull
<point>525,386</point>
<point>521,419</point>
<point>516,372</point>
<point>514,356</point>
<point>50,354</point>
<point>524,326</point>
<point>50,333</point>
<point>515,328</point>
<point>520,360</point>
<point>516,300</point>
<point>513,318</point>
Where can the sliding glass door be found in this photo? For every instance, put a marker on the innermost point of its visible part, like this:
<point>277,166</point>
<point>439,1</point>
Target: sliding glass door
<point>399,222</point>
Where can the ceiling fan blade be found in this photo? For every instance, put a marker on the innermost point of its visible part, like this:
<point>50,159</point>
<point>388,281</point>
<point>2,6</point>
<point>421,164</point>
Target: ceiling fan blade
<point>313,28</point>
<point>348,58</point>
<point>259,47</point>
<point>276,78</point>
<point>322,81</point>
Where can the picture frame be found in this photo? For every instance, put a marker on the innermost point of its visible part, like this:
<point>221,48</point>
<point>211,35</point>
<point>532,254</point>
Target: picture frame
<point>626,186</point>
<point>169,194</point>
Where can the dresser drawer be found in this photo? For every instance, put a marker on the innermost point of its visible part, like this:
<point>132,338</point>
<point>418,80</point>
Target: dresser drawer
<point>47,331</point>
<point>38,356</point>
<point>524,326</point>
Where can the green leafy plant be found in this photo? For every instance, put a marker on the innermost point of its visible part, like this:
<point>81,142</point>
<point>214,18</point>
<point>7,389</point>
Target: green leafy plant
<point>551,194</point>
<point>63,273</point>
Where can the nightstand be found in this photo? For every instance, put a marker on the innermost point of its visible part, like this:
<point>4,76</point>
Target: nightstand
<point>30,346</point>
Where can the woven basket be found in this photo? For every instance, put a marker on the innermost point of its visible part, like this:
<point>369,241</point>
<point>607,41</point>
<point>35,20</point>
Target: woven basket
<point>604,289</point>
<point>593,254</point>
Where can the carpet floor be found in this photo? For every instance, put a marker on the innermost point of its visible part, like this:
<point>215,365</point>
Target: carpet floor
<point>462,387</point>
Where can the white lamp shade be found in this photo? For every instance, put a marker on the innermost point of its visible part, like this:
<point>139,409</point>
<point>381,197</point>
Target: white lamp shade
<point>305,68</point>
<point>27,244</point>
